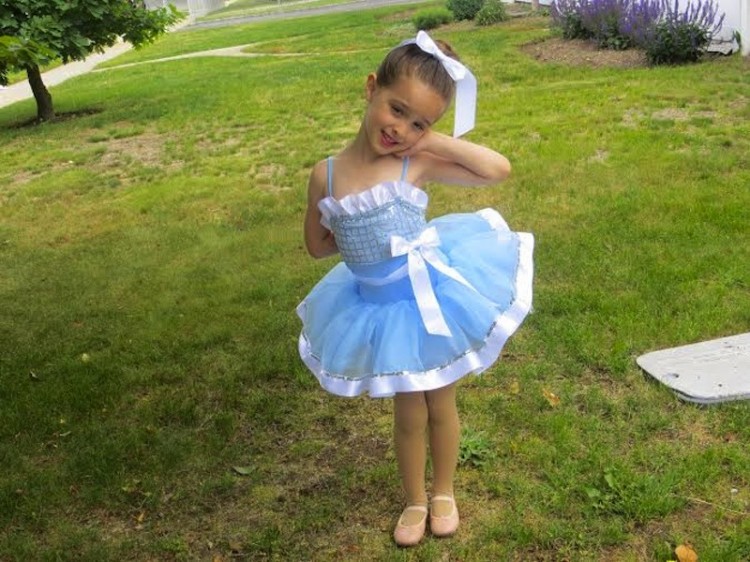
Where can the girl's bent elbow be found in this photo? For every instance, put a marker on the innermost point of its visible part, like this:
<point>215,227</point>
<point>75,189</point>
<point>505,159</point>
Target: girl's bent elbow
<point>503,170</point>
<point>318,251</point>
<point>314,252</point>
<point>506,175</point>
<point>497,175</point>
<point>318,255</point>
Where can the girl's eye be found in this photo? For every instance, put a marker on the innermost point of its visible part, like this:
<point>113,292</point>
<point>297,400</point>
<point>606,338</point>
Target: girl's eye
<point>397,110</point>
<point>419,126</point>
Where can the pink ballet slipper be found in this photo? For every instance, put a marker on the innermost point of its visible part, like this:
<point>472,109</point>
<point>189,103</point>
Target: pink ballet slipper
<point>444,525</point>
<point>409,535</point>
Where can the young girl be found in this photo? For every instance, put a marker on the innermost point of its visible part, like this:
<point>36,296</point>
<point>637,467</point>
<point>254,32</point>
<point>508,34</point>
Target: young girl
<point>415,305</point>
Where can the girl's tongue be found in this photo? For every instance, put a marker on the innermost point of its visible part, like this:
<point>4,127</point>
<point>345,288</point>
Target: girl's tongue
<point>386,140</point>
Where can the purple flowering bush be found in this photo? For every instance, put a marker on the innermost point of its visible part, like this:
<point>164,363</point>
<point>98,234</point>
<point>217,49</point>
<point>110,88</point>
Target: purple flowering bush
<point>668,33</point>
<point>607,22</point>
<point>639,18</point>
<point>682,36</point>
<point>567,15</point>
<point>604,19</point>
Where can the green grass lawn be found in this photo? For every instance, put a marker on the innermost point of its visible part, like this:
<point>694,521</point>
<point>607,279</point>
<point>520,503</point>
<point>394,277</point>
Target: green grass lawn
<point>259,7</point>
<point>152,404</point>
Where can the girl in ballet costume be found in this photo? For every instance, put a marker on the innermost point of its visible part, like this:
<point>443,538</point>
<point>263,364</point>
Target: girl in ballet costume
<point>415,305</point>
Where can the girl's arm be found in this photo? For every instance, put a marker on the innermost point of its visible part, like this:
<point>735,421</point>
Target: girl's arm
<point>319,240</point>
<point>449,160</point>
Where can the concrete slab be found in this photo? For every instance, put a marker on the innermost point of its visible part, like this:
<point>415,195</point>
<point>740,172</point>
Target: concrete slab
<point>706,372</point>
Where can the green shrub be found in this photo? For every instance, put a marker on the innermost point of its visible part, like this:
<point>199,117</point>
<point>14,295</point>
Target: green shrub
<point>571,25</point>
<point>432,18</point>
<point>671,43</point>
<point>465,9</point>
<point>493,11</point>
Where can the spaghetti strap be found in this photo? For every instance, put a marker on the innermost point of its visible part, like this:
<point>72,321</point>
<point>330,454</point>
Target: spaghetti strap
<point>404,168</point>
<point>330,176</point>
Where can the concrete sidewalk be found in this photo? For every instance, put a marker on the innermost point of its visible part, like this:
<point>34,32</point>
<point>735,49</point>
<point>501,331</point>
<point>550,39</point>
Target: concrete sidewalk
<point>22,91</point>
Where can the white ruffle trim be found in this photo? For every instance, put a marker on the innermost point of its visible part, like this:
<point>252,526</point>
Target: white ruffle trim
<point>369,199</point>
<point>473,361</point>
<point>495,219</point>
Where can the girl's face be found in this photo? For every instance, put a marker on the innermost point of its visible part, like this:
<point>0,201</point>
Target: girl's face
<point>400,114</point>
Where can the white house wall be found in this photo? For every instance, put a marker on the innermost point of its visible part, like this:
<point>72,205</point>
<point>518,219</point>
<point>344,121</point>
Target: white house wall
<point>724,40</point>
<point>745,26</point>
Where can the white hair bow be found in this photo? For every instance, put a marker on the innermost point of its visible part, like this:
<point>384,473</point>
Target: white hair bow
<point>466,83</point>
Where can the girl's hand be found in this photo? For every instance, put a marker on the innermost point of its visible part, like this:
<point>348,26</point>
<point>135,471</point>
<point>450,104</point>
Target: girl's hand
<point>451,160</point>
<point>423,144</point>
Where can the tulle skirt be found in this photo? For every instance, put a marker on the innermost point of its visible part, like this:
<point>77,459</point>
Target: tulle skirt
<point>363,330</point>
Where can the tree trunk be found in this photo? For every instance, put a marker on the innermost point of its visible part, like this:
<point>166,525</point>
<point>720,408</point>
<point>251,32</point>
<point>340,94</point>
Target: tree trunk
<point>44,109</point>
<point>534,5</point>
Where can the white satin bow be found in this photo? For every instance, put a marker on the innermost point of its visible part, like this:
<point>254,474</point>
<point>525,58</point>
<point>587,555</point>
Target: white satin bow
<point>419,252</point>
<point>466,83</point>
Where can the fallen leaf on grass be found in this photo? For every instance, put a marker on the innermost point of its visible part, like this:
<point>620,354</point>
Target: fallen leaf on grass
<point>243,470</point>
<point>685,553</point>
<point>515,388</point>
<point>552,398</point>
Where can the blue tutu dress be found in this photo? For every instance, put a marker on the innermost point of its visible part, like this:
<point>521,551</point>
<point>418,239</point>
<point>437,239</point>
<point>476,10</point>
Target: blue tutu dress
<point>415,305</point>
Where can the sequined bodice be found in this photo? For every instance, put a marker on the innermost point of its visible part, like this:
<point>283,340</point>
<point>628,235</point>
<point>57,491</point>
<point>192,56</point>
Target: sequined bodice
<point>364,223</point>
<point>365,237</point>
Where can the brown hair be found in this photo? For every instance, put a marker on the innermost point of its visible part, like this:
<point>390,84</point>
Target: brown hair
<point>410,60</point>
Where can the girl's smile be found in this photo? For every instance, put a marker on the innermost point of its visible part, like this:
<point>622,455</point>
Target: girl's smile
<point>387,141</point>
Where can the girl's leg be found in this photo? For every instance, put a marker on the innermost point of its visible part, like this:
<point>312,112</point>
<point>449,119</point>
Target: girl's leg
<point>444,440</point>
<point>410,424</point>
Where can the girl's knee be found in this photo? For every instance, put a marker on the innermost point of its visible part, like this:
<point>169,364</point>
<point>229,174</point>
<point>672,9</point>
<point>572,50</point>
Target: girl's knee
<point>410,412</point>
<point>441,398</point>
<point>441,405</point>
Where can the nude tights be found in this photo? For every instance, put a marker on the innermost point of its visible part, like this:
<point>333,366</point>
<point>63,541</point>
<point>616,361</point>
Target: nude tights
<point>415,415</point>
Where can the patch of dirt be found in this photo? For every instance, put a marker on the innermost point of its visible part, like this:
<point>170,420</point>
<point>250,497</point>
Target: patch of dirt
<point>147,149</point>
<point>59,118</point>
<point>681,114</point>
<point>576,52</point>
<point>117,160</point>
<point>126,159</point>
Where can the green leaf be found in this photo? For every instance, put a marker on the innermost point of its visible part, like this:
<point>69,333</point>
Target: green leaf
<point>610,480</point>
<point>18,53</point>
<point>74,29</point>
